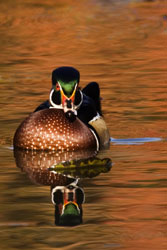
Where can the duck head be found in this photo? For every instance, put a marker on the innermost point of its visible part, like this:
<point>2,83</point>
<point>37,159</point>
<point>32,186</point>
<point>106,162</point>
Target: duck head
<point>68,204</point>
<point>65,93</point>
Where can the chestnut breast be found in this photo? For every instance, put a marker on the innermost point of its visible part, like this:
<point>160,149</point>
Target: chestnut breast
<point>49,129</point>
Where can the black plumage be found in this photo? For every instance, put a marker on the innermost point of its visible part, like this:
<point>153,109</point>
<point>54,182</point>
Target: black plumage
<point>90,105</point>
<point>65,74</point>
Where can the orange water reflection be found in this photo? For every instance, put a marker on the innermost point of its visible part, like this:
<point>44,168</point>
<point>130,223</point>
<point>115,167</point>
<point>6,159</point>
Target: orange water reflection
<point>122,45</point>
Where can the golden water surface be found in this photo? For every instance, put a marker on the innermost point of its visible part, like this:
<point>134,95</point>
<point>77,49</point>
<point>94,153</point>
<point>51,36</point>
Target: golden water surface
<point>123,46</point>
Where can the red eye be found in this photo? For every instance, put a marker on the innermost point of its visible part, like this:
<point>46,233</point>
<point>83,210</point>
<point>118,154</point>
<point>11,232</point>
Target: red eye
<point>57,87</point>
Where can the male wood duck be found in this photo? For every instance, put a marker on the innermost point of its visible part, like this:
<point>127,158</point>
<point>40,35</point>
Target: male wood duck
<point>70,120</point>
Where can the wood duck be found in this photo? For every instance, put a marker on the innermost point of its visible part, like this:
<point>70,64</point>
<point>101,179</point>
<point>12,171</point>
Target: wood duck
<point>70,120</point>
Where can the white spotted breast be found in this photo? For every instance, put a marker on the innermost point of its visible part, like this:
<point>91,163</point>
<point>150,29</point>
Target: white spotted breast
<point>49,129</point>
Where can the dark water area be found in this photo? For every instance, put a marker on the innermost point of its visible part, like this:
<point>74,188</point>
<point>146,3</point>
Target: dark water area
<point>121,45</point>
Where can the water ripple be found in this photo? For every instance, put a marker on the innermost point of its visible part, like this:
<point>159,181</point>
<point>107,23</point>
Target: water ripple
<point>134,141</point>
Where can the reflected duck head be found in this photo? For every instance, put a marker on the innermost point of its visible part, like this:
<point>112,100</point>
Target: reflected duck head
<point>65,93</point>
<point>68,202</point>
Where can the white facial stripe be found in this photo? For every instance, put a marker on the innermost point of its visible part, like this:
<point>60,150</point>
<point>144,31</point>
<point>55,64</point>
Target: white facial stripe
<point>60,86</point>
<point>54,190</point>
<point>52,103</point>
<point>75,107</point>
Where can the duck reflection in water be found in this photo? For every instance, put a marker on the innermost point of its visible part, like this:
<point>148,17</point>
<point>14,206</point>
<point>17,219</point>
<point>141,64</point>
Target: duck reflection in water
<point>62,171</point>
<point>68,202</point>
